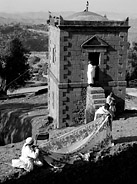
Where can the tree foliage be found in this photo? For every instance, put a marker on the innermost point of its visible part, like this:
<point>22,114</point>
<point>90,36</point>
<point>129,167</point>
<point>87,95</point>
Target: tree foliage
<point>131,68</point>
<point>14,65</point>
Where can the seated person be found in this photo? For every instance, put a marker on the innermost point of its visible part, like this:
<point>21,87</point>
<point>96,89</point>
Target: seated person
<point>29,156</point>
<point>101,111</point>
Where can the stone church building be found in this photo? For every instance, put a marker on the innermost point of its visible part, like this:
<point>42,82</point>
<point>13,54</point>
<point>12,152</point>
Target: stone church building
<point>72,42</point>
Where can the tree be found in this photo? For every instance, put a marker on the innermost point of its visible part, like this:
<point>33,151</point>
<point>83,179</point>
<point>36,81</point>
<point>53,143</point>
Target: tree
<point>131,68</point>
<point>14,66</point>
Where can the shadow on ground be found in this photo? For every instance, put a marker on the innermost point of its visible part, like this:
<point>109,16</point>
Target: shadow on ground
<point>128,113</point>
<point>115,165</point>
<point>126,139</point>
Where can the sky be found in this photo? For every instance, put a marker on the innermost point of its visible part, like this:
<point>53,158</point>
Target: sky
<point>118,6</point>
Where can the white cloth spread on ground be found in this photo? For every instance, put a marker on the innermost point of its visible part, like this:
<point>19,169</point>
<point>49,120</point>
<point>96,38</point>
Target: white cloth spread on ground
<point>68,148</point>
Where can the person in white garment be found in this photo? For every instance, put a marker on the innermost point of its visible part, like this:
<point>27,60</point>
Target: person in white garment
<point>29,156</point>
<point>111,101</point>
<point>91,73</point>
<point>102,111</point>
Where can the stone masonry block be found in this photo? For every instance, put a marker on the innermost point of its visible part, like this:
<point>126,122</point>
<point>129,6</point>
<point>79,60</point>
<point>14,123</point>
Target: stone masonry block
<point>120,92</point>
<point>112,83</point>
<point>66,72</point>
<point>99,101</point>
<point>62,109</point>
<point>122,52</point>
<point>65,44</point>
<point>121,76</point>
<point>122,83</point>
<point>123,34</point>
<point>89,114</point>
<point>62,78</point>
<point>64,34</point>
<point>98,96</point>
<point>94,90</point>
<point>64,99</point>
<point>121,60</point>
<point>117,47</point>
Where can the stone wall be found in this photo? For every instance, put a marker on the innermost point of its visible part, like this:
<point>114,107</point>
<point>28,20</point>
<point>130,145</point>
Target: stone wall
<point>72,104</point>
<point>53,72</point>
<point>112,66</point>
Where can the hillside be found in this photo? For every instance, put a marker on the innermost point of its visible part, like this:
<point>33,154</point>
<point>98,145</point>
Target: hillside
<point>29,18</point>
<point>116,164</point>
<point>33,37</point>
<point>35,18</point>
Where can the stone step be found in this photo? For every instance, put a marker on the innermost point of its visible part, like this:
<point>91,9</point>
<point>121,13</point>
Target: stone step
<point>96,96</point>
<point>100,101</point>
<point>94,90</point>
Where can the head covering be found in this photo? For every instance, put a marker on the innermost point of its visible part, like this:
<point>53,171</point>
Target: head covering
<point>106,106</point>
<point>29,141</point>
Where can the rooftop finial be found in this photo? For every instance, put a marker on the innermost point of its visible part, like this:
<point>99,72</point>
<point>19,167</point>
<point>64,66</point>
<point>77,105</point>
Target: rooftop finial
<point>87,6</point>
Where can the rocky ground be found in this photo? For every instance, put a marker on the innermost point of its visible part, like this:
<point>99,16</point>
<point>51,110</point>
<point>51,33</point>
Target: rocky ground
<point>116,165</point>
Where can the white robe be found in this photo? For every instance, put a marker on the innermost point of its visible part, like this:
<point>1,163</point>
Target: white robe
<point>112,108</point>
<point>109,100</point>
<point>28,158</point>
<point>101,111</point>
<point>91,73</point>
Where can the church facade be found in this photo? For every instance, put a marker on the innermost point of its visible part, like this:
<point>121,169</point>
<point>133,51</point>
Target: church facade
<point>73,42</point>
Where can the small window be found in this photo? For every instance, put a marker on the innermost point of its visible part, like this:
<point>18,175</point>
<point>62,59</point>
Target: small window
<point>53,100</point>
<point>54,54</point>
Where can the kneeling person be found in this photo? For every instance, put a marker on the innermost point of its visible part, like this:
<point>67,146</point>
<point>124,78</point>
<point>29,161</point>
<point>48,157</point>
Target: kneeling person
<point>29,156</point>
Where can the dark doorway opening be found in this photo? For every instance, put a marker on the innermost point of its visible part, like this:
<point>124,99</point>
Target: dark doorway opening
<point>94,57</point>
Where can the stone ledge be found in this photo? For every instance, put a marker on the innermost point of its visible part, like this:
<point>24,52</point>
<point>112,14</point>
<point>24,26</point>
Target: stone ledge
<point>94,90</point>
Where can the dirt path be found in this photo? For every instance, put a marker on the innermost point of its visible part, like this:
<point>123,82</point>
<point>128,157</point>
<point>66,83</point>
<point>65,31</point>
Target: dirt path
<point>27,90</point>
<point>131,91</point>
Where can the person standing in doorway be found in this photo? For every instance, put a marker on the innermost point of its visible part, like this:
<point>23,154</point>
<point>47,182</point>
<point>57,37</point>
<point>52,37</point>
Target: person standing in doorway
<point>91,73</point>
